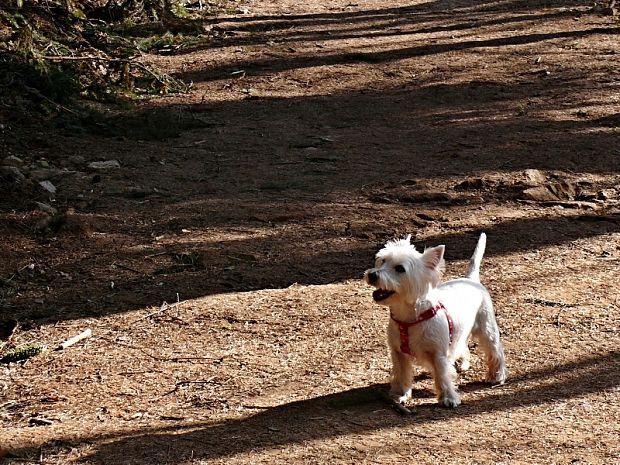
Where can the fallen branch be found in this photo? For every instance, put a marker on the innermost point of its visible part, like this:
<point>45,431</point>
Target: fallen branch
<point>47,99</point>
<point>163,79</point>
<point>75,339</point>
<point>83,58</point>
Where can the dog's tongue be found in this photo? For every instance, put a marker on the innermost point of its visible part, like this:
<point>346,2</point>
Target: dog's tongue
<point>381,294</point>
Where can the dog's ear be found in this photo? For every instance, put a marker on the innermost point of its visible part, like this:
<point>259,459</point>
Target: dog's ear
<point>433,257</point>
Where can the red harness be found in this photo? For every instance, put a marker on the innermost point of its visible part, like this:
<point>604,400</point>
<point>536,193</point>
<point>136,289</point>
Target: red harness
<point>427,315</point>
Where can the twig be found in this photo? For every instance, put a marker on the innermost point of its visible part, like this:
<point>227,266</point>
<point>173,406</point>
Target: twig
<point>128,268</point>
<point>548,303</point>
<point>162,309</point>
<point>255,407</point>
<point>156,357</point>
<point>83,58</point>
<point>158,254</point>
<point>75,339</point>
<point>178,384</point>
<point>40,95</point>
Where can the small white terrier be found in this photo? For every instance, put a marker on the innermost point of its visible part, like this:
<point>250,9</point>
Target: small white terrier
<point>430,323</point>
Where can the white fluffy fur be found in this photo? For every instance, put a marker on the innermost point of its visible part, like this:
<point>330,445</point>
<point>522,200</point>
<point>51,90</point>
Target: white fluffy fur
<point>409,283</point>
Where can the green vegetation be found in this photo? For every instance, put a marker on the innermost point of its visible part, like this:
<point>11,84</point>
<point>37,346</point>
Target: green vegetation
<point>54,51</point>
<point>21,353</point>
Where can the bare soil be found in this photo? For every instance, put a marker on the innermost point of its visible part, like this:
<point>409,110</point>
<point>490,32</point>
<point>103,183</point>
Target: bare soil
<point>219,267</point>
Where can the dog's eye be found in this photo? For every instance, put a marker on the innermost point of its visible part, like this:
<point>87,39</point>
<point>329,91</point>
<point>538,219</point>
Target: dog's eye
<point>399,269</point>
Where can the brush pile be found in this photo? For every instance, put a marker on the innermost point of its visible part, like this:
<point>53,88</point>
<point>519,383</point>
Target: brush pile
<point>52,51</point>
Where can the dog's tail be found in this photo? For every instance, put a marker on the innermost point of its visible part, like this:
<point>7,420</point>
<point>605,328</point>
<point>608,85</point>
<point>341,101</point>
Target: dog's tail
<point>473,270</point>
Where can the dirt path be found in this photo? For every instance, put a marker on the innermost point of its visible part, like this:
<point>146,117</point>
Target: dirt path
<point>315,132</point>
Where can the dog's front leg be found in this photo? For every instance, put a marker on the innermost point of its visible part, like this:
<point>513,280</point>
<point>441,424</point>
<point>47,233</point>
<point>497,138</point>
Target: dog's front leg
<point>402,376</point>
<point>444,375</point>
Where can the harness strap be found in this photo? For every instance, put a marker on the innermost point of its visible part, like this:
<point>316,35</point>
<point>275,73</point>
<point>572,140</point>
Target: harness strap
<point>403,326</point>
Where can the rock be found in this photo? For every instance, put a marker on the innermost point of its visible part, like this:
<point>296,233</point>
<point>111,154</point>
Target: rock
<point>12,174</point>
<point>77,160</point>
<point>534,178</point>
<point>588,195</point>
<point>472,184</point>
<point>47,208</point>
<point>48,186</point>
<point>48,173</point>
<point>564,190</point>
<point>43,163</point>
<point>425,197</point>
<point>539,194</point>
<point>104,165</point>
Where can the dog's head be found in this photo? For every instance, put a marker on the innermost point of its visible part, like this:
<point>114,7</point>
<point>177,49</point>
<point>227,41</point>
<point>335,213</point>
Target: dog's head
<point>402,274</point>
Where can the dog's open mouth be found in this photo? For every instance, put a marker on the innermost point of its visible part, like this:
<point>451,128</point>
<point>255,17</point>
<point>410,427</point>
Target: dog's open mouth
<point>381,294</point>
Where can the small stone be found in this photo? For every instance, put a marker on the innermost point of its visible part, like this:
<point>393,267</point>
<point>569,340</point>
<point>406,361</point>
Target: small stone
<point>603,195</point>
<point>48,186</point>
<point>77,160</point>
<point>12,160</point>
<point>472,184</point>
<point>104,165</point>
<point>47,208</point>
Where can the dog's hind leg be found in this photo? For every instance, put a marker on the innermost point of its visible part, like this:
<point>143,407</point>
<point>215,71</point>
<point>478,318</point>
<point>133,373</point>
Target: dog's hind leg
<point>486,332</point>
<point>462,356</point>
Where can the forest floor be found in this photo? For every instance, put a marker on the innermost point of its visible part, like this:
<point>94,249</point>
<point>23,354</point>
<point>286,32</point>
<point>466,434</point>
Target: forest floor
<point>218,262</point>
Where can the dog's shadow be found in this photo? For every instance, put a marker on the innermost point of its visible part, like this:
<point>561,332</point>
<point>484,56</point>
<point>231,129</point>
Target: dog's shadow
<point>353,411</point>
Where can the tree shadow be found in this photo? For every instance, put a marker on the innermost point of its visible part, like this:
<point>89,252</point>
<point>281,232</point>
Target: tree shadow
<point>355,411</point>
<point>326,28</point>
<point>302,157</point>
<point>435,7</point>
<point>287,265</point>
<point>302,61</point>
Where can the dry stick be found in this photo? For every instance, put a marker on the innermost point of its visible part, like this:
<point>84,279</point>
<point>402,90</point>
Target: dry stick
<point>128,268</point>
<point>81,58</point>
<point>75,339</point>
<point>162,309</point>
<point>155,357</point>
<point>178,384</point>
<point>40,95</point>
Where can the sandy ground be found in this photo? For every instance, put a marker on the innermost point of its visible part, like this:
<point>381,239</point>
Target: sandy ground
<point>219,266</point>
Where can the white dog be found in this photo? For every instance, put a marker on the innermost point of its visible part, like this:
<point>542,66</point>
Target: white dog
<point>430,323</point>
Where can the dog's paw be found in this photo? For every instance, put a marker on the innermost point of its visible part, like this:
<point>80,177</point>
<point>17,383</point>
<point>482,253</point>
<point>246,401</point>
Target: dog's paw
<point>399,397</point>
<point>462,365</point>
<point>498,377</point>
<point>450,401</point>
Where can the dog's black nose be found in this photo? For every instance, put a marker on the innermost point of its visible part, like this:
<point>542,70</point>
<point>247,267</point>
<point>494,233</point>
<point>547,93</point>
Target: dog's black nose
<point>372,277</point>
